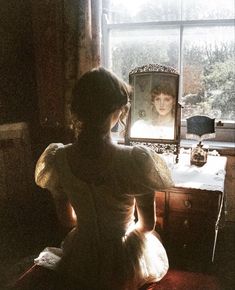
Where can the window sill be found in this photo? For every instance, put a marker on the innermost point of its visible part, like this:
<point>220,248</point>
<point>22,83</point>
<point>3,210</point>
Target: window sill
<point>224,148</point>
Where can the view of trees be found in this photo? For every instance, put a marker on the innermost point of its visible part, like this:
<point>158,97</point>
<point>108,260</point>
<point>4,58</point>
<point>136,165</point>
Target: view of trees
<point>208,66</point>
<point>127,55</point>
<point>208,81</point>
<point>168,10</point>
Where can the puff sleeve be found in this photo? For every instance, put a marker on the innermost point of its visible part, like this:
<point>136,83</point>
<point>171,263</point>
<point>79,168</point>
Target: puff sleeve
<point>150,172</point>
<point>46,173</point>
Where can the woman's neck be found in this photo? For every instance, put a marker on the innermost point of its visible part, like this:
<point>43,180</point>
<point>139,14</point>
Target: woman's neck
<point>93,145</point>
<point>164,120</point>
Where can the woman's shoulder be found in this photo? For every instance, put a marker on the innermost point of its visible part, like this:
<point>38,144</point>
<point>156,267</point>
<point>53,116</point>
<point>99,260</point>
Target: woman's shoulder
<point>52,149</point>
<point>133,150</point>
<point>134,156</point>
<point>150,168</point>
<point>46,166</point>
<point>142,155</point>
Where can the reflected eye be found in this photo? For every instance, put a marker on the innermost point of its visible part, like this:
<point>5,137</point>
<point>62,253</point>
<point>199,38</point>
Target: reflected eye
<point>167,99</point>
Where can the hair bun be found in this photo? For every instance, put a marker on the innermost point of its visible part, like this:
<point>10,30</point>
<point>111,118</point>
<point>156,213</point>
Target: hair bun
<point>98,93</point>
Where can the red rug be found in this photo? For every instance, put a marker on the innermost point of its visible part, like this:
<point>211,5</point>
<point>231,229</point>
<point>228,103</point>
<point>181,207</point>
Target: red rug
<point>40,278</point>
<point>182,280</point>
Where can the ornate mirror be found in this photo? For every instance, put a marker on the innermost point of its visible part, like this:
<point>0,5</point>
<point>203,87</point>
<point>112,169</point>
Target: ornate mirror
<point>154,118</point>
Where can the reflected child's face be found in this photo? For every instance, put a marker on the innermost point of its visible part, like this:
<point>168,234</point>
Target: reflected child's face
<point>163,104</point>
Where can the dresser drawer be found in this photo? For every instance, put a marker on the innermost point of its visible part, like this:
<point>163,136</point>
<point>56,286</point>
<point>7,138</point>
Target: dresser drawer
<point>160,202</point>
<point>190,236</point>
<point>190,226</point>
<point>190,251</point>
<point>201,202</point>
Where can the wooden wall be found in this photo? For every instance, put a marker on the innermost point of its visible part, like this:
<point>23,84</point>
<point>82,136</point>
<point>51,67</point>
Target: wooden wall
<point>230,189</point>
<point>22,203</point>
<point>18,99</point>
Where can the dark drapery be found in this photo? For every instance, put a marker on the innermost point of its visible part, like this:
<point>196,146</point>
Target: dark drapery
<point>67,43</point>
<point>82,42</point>
<point>82,36</point>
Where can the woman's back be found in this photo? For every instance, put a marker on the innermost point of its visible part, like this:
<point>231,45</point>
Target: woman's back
<point>100,186</point>
<point>105,215</point>
<point>104,184</point>
<point>93,168</point>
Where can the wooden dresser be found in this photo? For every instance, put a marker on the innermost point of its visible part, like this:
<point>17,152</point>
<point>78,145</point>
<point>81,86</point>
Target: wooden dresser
<point>188,215</point>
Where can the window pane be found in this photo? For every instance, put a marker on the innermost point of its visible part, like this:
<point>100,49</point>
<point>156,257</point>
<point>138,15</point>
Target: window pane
<point>124,11</point>
<point>208,72</point>
<point>132,48</point>
<point>207,9</point>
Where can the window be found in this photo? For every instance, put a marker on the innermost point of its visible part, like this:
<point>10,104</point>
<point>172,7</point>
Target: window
<point>194,36</point>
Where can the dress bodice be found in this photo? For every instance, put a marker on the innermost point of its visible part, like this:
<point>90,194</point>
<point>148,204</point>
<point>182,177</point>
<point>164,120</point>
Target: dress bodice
<point>105,213</point>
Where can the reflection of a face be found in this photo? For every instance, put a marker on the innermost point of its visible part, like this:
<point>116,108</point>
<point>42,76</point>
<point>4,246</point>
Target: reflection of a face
<point>163,104</point>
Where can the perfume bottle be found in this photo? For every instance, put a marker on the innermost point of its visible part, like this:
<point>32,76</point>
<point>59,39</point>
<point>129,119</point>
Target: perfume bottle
<point>198,155</point>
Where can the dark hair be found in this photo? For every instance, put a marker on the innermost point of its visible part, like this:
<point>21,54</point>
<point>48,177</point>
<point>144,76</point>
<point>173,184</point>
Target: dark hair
<point>163,88</point>
<point>98,93</point>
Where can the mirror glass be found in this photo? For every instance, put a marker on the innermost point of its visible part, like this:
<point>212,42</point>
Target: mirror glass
<point>154,105</point>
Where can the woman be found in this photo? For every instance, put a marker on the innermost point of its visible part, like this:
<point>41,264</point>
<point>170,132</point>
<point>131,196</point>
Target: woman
<point>97,185</point>
<point>161,123</point>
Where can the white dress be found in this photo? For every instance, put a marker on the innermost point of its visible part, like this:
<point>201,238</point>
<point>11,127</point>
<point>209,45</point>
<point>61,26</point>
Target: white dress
<point>102,252</point>
<point>145,129</point>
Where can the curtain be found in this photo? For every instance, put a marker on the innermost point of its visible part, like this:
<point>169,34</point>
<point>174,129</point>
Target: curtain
<point>66,35</point>
<point>82,36</point>
<point>82,22</point>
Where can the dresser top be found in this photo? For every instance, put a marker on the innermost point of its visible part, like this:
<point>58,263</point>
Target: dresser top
<point>210,176</point>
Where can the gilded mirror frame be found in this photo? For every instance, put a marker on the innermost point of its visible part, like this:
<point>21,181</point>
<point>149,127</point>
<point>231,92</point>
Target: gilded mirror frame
<point>155,114</point>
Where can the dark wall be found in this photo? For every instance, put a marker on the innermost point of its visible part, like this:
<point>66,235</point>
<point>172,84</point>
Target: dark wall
<point>24,213</point>
<point>18,84</point>
<point>18,101</point>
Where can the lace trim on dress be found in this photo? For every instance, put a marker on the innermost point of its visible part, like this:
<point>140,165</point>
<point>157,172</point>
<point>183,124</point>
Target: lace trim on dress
<point>49,258</point>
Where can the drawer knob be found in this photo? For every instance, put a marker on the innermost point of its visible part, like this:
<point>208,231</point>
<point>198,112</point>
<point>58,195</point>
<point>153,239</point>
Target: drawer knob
<point>187,204</point>
<point>186,223</point>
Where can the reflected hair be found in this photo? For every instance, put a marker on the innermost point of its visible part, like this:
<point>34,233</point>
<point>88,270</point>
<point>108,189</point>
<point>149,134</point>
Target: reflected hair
<point>166,88</point>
